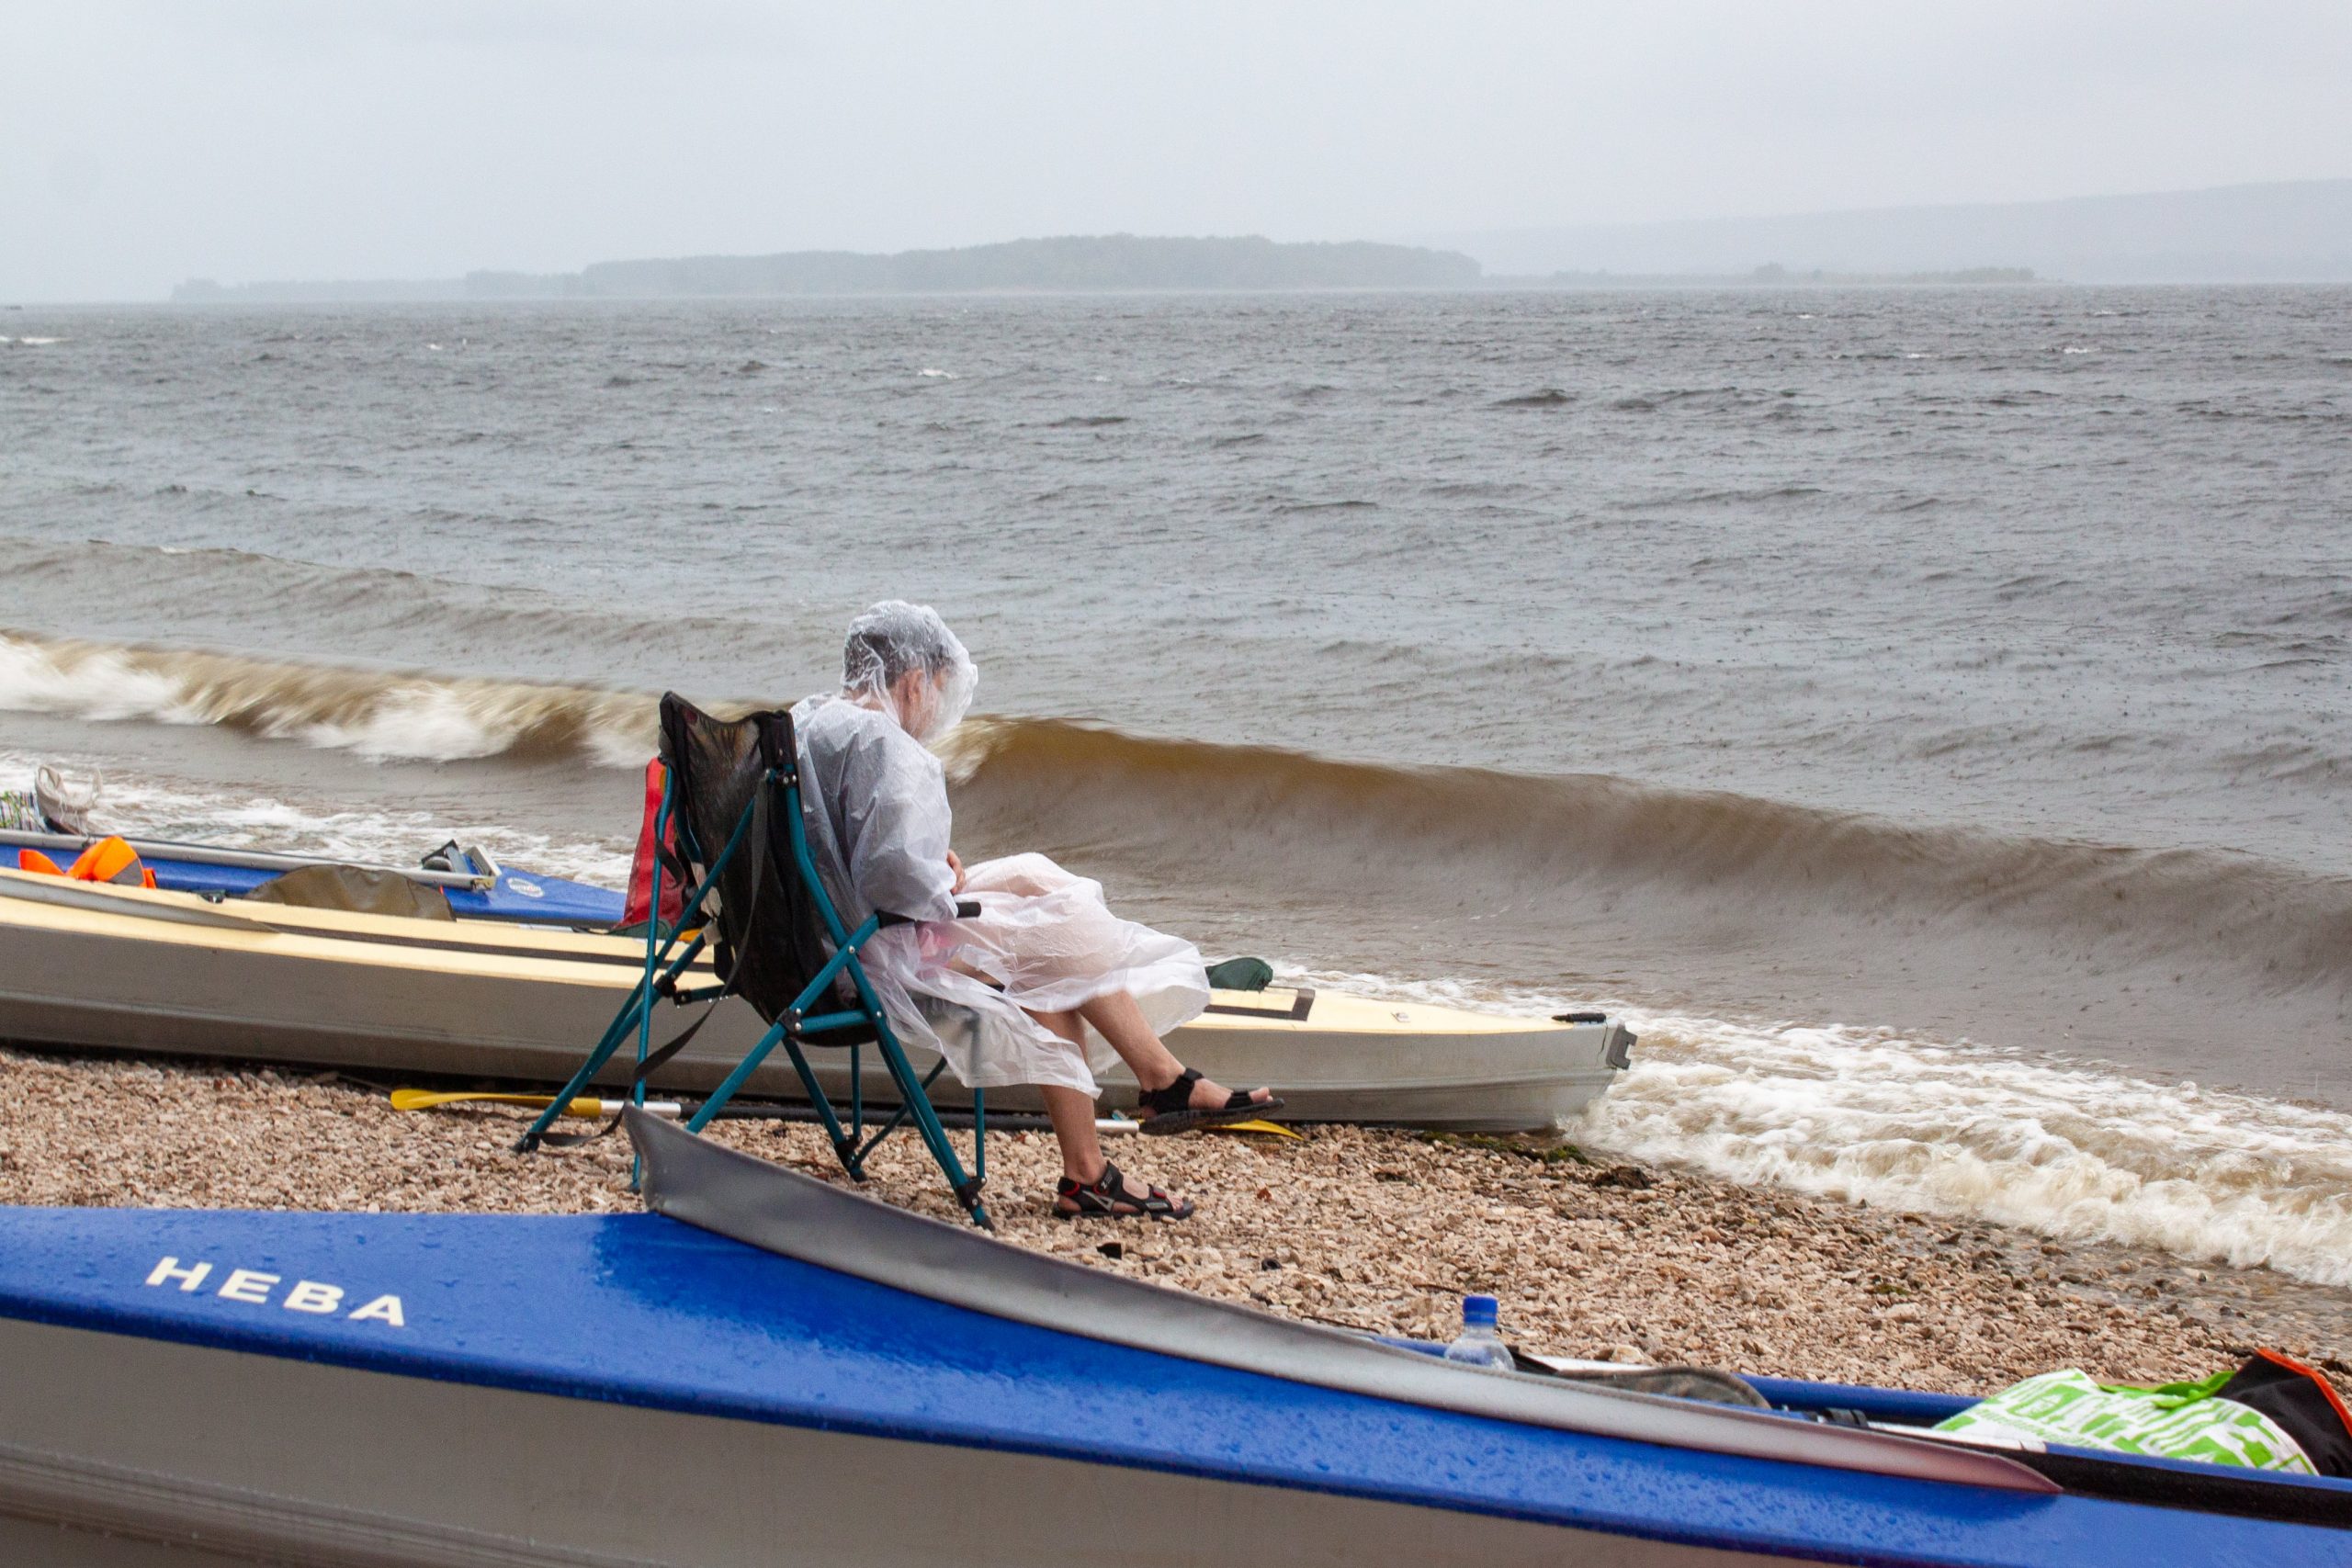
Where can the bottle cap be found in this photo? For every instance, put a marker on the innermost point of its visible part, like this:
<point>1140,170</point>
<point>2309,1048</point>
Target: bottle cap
<point>1478,1309</point>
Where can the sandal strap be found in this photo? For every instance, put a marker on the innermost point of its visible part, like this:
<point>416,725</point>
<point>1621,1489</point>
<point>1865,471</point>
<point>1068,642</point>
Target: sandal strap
<point>1151,1199</point>
<point>1177,1096</point>
<point>1107,1191</point>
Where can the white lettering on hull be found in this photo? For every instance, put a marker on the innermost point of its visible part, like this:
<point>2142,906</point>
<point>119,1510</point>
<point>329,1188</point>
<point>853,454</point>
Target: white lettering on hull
<point>385,1309</point>
<point>253,1288</point>
<point>309,1295</point>
<point>245,1285</point>
<point>169,1269</point>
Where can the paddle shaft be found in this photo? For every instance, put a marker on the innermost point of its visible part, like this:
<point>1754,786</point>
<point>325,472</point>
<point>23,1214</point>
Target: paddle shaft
<point>589,1106</point>
<point>997,1122</point>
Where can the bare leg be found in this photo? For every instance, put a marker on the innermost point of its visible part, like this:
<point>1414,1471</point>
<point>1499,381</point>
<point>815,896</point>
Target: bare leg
<point>1072,1113</point>
<point>1121,1022</point>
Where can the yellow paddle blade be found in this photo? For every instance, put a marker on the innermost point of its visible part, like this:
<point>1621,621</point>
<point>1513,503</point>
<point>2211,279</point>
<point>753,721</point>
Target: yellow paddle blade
<point>1276,1128</point>
<point>427,1099</point>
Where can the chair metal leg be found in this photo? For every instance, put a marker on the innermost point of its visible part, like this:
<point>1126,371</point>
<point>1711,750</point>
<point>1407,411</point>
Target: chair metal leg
<point>743,1069</point>
<point>614,1032</point>
<point>899,1118</point>
<point>845,1147</point>
<point>639,1000</point>
<point>934,1137</point>
<point>795,1019</point>
<point>638,1009</point>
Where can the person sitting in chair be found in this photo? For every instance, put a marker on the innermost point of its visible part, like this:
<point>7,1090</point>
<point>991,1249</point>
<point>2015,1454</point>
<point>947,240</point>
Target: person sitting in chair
<point>1044,985</point>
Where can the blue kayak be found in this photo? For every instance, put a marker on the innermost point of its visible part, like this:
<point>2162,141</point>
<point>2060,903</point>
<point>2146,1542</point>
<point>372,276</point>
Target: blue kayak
<point>479,888</point>
<point>643,1388</point>
<point>526,896</point>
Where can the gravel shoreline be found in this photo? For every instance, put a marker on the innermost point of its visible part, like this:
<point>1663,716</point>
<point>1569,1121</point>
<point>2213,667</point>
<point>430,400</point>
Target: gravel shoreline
<point>1370,1229</point>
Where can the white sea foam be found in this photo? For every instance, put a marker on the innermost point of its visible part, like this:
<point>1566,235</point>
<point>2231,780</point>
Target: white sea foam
<point>381,717</point>
<point>2073,1150</point>
<point>445,721</point>
<point>105,686</point>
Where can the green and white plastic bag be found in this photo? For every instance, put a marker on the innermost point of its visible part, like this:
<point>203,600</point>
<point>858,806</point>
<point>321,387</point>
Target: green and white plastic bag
<point>2179,1421</point>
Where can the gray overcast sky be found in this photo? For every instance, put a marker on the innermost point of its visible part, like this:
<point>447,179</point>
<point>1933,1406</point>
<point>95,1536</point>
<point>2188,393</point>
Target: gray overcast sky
<point>145,143</point>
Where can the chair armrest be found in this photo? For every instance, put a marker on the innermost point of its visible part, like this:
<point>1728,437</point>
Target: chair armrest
<point>966,909</point>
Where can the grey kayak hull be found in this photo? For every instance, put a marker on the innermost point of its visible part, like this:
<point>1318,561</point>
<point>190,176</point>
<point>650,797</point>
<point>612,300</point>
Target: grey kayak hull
<point>124,1452</point>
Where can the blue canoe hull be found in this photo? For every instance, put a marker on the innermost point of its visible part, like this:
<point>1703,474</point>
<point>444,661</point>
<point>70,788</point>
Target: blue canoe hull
<point>519,896</point>
<point>401,1358</point>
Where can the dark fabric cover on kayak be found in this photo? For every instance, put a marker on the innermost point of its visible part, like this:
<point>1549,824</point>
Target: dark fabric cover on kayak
<point>1676,1383</point>
<point>356,888</point>
<point>769,937</point>
<point>2303,1406</point>
<point>1240,974</point>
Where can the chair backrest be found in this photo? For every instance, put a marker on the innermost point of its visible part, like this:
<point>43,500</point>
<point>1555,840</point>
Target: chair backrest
<point>769,939</point>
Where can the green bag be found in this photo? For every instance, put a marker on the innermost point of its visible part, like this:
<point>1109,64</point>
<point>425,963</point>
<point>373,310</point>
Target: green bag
<point>1241,975</point>
<point>2178,1420</point>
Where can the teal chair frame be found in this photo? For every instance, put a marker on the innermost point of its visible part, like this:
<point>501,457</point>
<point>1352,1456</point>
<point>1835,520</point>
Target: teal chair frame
<point>668,953</point>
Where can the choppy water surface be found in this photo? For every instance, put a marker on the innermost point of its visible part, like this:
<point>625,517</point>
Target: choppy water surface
<point>1927,708</point>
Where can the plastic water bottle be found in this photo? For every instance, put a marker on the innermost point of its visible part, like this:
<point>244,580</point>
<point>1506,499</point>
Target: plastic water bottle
<point>1480,1345</point>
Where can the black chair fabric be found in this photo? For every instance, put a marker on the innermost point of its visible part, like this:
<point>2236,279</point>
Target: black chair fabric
<point>769,938</point>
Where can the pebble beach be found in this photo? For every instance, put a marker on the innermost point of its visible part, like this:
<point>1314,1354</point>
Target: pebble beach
<point>1590,1256</point>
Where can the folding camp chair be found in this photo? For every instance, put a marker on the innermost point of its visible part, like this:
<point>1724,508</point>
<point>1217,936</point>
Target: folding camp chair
<point>732,796</point>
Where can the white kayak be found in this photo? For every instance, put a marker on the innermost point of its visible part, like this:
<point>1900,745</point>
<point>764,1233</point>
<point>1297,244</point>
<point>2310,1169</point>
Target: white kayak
<point>103,966</point>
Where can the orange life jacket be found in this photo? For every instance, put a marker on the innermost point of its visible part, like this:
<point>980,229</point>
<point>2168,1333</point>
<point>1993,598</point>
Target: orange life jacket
<point>108,860</point>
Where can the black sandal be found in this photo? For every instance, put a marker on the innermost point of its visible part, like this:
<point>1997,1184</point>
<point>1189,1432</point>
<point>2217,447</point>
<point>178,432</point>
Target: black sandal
<point>1109,1197</point>
<point>1171,1108</point>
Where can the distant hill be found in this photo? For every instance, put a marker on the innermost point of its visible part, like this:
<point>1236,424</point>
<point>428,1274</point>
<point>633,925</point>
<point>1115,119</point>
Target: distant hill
<point>1070,265</point>
<point>2298,232</point>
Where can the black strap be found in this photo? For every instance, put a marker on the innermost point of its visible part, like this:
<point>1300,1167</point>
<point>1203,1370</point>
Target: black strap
<point>1177,1096</point>
<point>653,1063</point>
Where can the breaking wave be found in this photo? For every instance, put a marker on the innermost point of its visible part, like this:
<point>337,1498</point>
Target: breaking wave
<point>385,715</point>
<point>1735,864</point>
<point>1739,868</point>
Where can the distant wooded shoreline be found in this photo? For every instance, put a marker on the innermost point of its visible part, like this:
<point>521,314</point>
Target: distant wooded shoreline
<point>1069,265</point>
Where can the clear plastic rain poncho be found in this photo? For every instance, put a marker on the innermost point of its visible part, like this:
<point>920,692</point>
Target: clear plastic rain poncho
<point>874,800</point>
